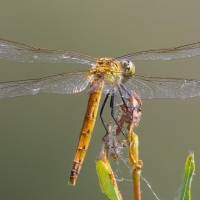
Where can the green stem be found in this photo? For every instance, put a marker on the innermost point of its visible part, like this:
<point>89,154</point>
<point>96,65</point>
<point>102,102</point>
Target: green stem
<point>135,162</point>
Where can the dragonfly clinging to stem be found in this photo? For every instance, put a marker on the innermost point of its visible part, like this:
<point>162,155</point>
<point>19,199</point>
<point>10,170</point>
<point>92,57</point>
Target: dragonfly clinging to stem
<point>113,76</point>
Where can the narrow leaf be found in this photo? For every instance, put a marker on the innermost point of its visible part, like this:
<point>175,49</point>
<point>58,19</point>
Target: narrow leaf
<point>188,175</point>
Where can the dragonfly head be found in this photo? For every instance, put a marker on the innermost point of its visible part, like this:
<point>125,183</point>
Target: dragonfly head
<point>128,67</point>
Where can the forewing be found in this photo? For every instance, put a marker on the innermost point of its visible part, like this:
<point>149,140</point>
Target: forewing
<point>185,51</point>
<point>13,51</point>
<point>155,87</point>
<point>65,83</point>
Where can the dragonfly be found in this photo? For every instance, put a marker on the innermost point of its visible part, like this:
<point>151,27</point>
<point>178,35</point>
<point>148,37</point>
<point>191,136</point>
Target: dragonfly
<point>112,76</point>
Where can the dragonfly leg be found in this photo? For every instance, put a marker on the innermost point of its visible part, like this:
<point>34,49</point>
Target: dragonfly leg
<point>122,86</point>
<point>129,94</point>
<point>112,102</point>
<point>101,112</point>
<point>121,95</point>
<point>112,113</point>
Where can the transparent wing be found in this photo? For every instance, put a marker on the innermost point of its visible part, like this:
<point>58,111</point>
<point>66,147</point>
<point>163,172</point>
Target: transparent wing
<point>65,83</point>
<point>13,51</point>
<point>185,51</point>
<point>156,87</point>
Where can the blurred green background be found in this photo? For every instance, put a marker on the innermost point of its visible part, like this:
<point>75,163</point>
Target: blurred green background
<point>39,134</point>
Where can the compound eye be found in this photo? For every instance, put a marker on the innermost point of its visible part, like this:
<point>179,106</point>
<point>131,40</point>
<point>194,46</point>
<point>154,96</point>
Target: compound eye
<point>129,67</point>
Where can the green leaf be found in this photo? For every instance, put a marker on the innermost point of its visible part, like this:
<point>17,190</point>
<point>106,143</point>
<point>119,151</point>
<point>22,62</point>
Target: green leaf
<point>188,175</point>
<point>107,180</point>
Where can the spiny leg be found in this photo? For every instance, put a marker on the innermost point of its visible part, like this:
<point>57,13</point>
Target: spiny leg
<point>112,113</point>
<point>112,102</point>
<point>129,94</point>
<point>121,95</point>
<point>122,86</point>
<point>101,112</point>
<point>112,107</point>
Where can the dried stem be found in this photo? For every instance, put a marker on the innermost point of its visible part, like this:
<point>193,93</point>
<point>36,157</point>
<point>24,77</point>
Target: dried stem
<point>130,117</point>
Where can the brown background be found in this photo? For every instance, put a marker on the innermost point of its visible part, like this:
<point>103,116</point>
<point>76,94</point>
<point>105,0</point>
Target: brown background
<point>38,134</point>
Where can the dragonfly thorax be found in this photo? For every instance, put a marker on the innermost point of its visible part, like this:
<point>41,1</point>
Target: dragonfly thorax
<point>107,69</point>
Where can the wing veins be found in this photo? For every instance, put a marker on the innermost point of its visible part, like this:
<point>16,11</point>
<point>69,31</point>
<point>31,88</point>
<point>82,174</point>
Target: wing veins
<point>14,51</point>
<point>184,51</point>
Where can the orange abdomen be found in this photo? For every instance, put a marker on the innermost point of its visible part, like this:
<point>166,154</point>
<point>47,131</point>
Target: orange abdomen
<point>86,133</point>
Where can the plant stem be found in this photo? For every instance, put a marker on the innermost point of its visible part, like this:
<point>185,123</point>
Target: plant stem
<point>135,163</point>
